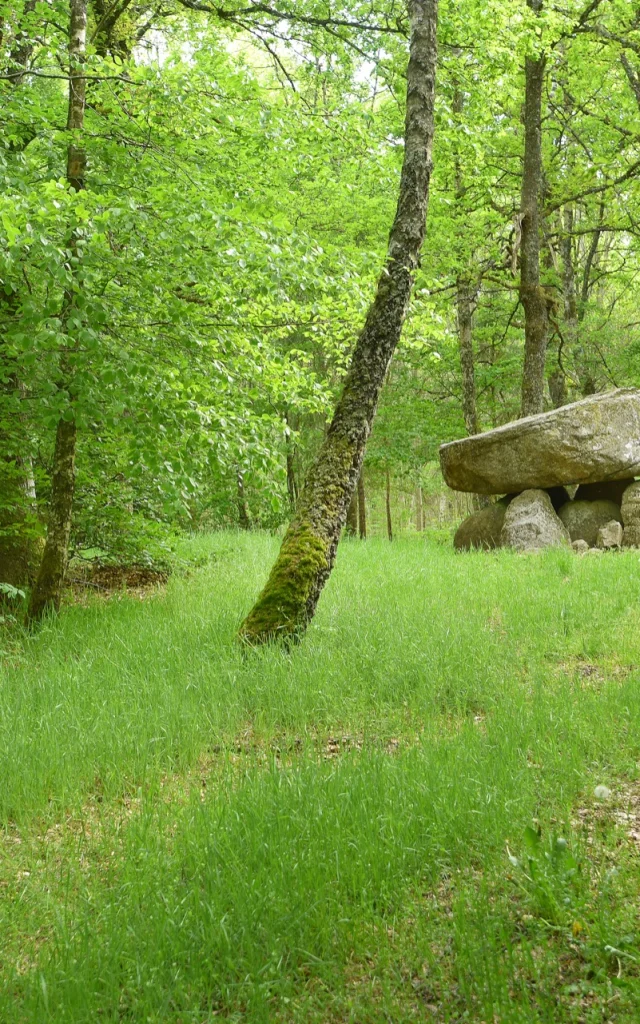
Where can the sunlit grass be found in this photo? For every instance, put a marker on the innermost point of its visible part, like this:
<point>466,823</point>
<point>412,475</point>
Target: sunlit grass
<point>194,834</point>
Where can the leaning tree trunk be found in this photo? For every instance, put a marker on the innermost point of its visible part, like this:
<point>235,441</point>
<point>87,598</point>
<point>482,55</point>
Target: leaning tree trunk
<point>308,551</point>
<point>47,592</point>
<point>536,317</point>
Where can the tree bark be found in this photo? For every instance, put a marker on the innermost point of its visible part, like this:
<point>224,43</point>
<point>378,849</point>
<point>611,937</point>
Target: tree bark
<point>584,370</point>
<point>22,48</point>
<point>351,526</point>
<point>532,295</point>
<point>465,296</point>
<point>47,592</point>
<point>292,486</point>
<point>465,293</point>
<point>20,544</point>
<point>557,379</point>
<point>243,511</point>
<point>292,483</point>
<point>306,557</point>
<point>388,506</point>
<point>362,508</point>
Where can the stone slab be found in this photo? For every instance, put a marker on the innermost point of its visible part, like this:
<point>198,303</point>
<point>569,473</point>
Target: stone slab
<point>585,442</point>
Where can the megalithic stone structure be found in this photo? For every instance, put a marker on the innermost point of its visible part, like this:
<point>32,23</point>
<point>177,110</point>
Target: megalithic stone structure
<point>594,440</point>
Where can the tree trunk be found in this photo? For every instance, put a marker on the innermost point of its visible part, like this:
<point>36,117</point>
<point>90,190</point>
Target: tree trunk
<point>557,379</point>
<point>243,511</point>
<point>465,295</point>
<point>419,510</point>
<point>20,544</point>
<point>292,488</point>
<point>47,592</point>
<point>362,508</point>
<point>308,551</point>
<point>584,370</point>
<point>292,485</point>
<point>352,516</point>
<point>531,293</point>
<point>23,46</point>
<point>388,506</point>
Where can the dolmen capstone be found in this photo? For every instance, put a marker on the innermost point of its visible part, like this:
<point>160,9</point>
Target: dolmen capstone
<point>594,443</point>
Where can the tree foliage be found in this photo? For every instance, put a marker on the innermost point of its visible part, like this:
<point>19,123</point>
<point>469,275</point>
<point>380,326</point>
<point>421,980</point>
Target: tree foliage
<point>243,162</point>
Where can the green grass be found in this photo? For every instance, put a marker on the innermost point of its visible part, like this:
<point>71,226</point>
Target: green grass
<point>343,833</point>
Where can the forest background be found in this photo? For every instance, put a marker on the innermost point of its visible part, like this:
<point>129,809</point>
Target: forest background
<point>189,305</point>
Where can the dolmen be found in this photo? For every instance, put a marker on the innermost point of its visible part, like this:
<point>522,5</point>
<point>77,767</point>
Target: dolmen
<point>534,463</point>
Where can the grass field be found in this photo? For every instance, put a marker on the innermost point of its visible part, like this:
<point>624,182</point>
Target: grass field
<point>394,822</point>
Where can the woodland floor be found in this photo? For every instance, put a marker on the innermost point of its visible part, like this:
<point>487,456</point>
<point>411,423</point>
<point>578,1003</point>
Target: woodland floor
<point>363,830</point>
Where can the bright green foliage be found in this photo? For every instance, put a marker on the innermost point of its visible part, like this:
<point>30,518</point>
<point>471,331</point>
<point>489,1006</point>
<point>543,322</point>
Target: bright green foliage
<point>242,179</point>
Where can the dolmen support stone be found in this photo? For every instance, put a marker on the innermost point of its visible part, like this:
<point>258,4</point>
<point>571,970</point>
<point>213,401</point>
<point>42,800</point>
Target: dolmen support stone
<point>481,529</point>
<point>583,519</point>
<point>591,441</point>
<point>631,516</point>
<point>530,523</point>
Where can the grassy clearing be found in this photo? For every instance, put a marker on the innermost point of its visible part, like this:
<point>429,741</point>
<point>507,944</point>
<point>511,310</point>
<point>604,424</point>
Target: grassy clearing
<point>345,833</point>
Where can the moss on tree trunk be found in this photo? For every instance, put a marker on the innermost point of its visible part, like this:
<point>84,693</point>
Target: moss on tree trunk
<point>308,551</point>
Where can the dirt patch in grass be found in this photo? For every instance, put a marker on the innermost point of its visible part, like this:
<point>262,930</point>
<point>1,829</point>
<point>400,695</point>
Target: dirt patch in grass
<point>593,674</point>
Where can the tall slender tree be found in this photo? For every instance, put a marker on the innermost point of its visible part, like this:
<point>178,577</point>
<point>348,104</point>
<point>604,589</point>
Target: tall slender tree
<point>362,507</point>
<point>20,544</point>
<point>47,591</point>
<point>308,551</point>
<point>466,291</point>
<point>534,303</point>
